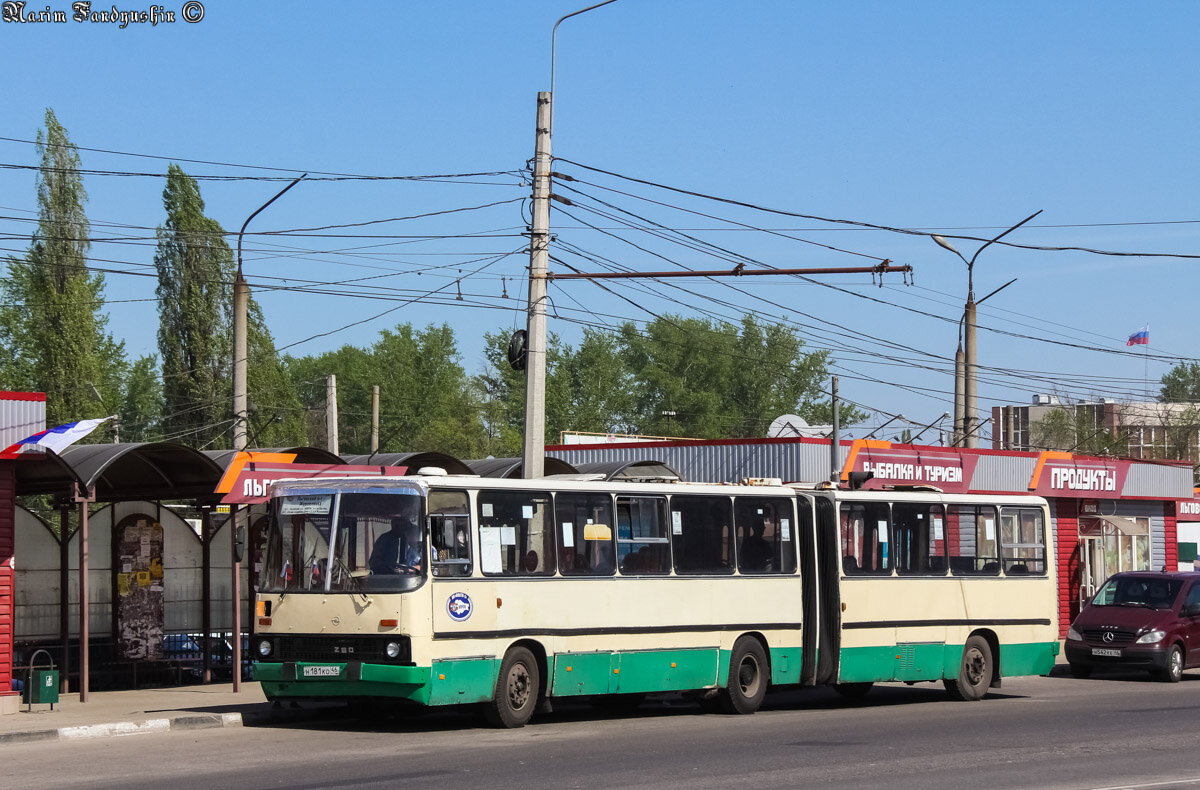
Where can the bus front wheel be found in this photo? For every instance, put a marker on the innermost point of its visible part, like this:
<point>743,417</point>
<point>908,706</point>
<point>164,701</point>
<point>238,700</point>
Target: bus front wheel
<point>747,684</point>
<point>974,672</point>
<point>516,693</point>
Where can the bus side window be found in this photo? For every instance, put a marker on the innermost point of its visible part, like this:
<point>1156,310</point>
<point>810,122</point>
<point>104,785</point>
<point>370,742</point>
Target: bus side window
<point>584,526</point>
<point>516,534</point>
<point>450,533</point>
<point>765,538</point>
<point>1023,536</point>
<point>866,538</point>
<point>642,543</point>
<point>920,543</point>
<point>972,539</point>
<point>702,534</point>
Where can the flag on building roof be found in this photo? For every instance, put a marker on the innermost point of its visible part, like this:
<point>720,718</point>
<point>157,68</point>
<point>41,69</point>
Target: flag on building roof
<point>1140,337</point>
<point>56,439</point>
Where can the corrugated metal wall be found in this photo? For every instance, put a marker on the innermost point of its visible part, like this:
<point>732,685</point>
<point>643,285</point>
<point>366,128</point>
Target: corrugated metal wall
<point>1150,480</point>
<point>20,416</point>
<point>1003,473</point>
<point>722,463</point>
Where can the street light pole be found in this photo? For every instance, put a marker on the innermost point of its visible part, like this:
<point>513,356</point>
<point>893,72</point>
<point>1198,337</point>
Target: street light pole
<point>241,306</point>
<point>534,452</point>
<point>965,423</point>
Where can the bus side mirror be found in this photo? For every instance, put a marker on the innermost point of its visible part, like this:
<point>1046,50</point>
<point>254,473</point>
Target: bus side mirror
<point>239,543</point>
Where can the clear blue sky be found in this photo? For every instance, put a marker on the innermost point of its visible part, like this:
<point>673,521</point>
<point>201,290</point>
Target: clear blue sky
<point>945,117</point>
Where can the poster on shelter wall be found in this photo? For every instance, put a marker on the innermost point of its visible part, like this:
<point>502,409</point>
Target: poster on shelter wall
<point>138,548</point>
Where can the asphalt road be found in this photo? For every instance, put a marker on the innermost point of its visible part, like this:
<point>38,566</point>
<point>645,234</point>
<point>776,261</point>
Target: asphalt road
<point>1057,732</point>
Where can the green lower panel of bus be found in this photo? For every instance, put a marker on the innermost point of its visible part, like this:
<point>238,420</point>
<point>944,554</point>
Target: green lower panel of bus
<point>934,660</point>
<point>474,680</point>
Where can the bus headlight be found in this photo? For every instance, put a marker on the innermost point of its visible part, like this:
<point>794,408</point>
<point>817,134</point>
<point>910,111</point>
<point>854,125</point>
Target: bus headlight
<point>264,648</point>
<point>1073,634</point>
<point>393,650</point>
<point>1150,637</point>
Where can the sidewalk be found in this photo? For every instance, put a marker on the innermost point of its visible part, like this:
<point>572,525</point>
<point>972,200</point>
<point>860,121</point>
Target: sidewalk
<point>108,713</point>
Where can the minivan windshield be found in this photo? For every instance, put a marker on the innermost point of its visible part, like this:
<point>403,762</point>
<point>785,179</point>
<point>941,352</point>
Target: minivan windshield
<point>1145,591</point>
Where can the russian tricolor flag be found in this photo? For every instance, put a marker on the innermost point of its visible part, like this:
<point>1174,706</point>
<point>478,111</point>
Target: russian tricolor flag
<point>1140,337</point>
<point>56,439</point>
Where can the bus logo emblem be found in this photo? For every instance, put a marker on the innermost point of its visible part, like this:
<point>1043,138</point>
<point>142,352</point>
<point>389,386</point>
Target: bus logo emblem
<point>458,606</point>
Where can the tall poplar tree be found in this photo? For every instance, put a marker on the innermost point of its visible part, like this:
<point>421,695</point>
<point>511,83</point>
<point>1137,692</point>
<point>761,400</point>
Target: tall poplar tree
<point>195,291</point>
<point>51,326</point>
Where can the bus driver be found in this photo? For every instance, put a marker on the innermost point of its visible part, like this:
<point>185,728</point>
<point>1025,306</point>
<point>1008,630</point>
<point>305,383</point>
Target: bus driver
<point>399,549</point>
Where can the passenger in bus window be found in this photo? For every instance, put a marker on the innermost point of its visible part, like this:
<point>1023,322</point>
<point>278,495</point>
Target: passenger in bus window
<point>756,554</point>
<point>399,549</point>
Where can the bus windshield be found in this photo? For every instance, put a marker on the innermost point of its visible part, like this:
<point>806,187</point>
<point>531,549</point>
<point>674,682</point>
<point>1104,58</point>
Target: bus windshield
<point>345,541</point>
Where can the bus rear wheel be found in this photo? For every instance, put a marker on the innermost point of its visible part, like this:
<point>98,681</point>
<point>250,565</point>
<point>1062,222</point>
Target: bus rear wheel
<point>974,672</point>
<point>747,684</point>
<point>516,692</point>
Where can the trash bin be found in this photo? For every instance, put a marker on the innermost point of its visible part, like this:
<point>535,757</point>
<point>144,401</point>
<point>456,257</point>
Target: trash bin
<point>41,687</point>
<point>41,684</point>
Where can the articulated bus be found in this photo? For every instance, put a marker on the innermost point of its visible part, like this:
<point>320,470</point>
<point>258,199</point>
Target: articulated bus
<point>435,589</point>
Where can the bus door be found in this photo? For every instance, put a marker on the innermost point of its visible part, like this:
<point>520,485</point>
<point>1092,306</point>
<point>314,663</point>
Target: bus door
<point>822,603</point>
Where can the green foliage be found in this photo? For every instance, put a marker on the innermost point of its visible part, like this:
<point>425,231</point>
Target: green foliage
<point>142,405</point>
<point>51,330</point>
<point>1074,430</point>
<point>721,382</point>
<point>427,402</point>
<point>1182,383</point>
<point>277,417</point>
<point>195,275</point>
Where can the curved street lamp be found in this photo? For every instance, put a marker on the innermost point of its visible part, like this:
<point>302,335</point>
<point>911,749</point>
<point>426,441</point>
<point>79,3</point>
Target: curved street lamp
<point>966,371</point>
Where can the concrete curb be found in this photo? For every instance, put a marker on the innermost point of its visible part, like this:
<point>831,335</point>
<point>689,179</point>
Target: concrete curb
<point>184,722</point>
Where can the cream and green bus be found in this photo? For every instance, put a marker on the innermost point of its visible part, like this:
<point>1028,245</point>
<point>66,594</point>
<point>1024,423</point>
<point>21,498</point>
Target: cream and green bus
<point>436,589</point>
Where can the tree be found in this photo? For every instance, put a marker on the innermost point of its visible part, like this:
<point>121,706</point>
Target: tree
<point>141,409</point>
<point>427,402</point>
<point>276,415</point>
<point>587,389</point>
<point>1182,383</point>
<point>51,327</point>
<point>722,382</point>
<point>195,274</point>
<point>1075,430</point>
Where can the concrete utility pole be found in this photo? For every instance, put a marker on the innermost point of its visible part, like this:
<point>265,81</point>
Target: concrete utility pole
<point>331,414</point>
<point>539,258</point>
<point>374,419</point>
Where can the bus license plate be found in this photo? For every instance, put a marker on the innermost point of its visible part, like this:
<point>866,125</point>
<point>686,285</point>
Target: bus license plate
<point>322,672</point>
<point>1107,652</point>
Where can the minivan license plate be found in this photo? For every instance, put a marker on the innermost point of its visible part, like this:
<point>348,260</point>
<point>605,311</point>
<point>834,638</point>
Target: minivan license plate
<point>1107,652</point>
<point>322,672</point>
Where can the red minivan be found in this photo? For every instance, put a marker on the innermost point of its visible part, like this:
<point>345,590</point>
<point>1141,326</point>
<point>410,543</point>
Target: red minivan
<point>1139,620</point>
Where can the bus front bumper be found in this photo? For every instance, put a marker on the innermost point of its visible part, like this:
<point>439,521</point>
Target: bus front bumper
<point>299,679</point>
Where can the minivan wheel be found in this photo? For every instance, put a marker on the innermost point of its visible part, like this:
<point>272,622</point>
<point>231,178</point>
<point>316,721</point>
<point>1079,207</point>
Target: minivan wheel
<point>1081,671</point>
<point>1174,671</point>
